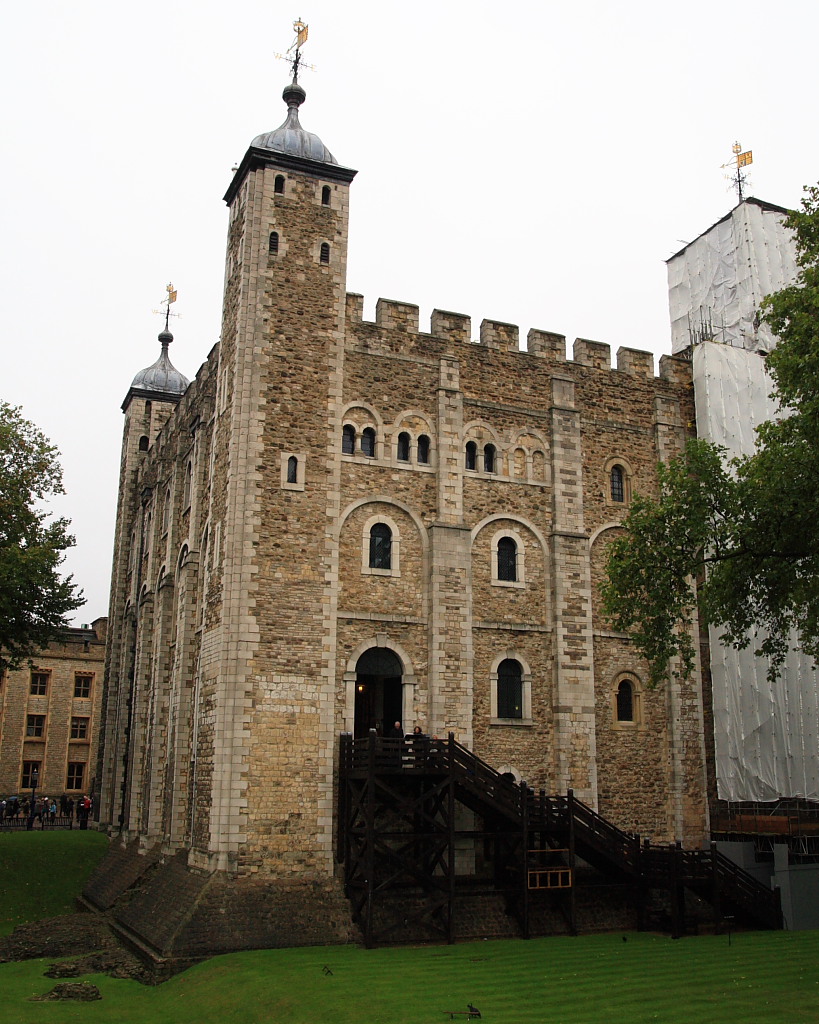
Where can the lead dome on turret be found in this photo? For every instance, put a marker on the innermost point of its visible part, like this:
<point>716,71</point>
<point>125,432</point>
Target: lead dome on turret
<point>162,376</point>
<point>290,138</point>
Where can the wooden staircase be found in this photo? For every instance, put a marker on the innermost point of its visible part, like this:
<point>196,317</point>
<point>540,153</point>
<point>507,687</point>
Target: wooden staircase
<point>400,828</point>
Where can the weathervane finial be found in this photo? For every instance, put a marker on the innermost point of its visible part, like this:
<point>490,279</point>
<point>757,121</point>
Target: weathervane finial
<point>170,297</point>
<point>738,179</point>
<point>293,54</point>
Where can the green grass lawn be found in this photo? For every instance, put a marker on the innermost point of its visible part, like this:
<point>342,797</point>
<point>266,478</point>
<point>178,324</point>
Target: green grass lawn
<point>760,978</point>
<point>41,873</point>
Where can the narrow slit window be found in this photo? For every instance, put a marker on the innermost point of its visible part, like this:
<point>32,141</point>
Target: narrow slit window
<point>324,256</point>
<point>278,185</point>
<point>348,440</point>
<point>380,546</point>
<point>403,447</point>
<point>510,689</point>
<point>325,196</point>
<point>507,560</point>
<point>292,470</point>
<point>423,449</point>
<point>471,455</point>
<point>368,442</point>
<point>273,243</point>
<point>618,488</point>
<point>489,458</point>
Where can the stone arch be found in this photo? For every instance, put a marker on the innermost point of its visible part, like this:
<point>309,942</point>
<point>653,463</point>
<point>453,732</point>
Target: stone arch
<point>379,641</point>
<point>384,499</point>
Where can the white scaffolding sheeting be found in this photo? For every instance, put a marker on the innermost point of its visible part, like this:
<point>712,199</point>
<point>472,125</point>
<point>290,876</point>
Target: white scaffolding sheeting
<point>723,275</point>
<point>766,735</point>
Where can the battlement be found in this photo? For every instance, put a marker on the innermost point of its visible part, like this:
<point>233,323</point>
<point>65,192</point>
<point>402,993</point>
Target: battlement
<point>503,337</point>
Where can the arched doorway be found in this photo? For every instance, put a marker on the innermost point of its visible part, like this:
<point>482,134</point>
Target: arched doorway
<point>378,691</point>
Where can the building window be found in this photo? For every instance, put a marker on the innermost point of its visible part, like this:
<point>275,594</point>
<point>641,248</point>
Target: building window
<point>507,560</point>
<point>510,689</point>
<point>35,726</point>
<point>380,546</point>
<point>82,684</point>
<point>423,449</point>
<point>625,701</point>
<point>186,494</point>
<point>292,469</point>
<point>403,447</point>
<point>278,185</point>
<point>471,455</point>
<point>166,512</point>
<point>143,443</point>
<point>79,727</point>
<point>489,458</point>
<point>31,774</point>
<point>368,442</point>
<point>324,256</point>
<point>348,440</point>
<point>273,243</point>
<point>618,487</point>
<point>39,683</point>
<point>325,195</point>
<point>75,775</point>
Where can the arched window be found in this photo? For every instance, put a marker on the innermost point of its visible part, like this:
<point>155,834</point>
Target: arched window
<point>186,494</point>
<point>143,443</point>
<point>273,243</point>
<point>324,255</point>
<point>278,185</point>
<point>292,470</point>
<point>507,560</point>
<point>166,512</point>
<point>403,447</point>
<point>325,196</point>
<point>489,458</point>
<point>348,439</point>
<point>471,455</point>
<point>368,442</point>
<point>625,701</point>
<point>380,546</point>
<point>423,449</point>
<point>510,689</point>
<point>618,484</point>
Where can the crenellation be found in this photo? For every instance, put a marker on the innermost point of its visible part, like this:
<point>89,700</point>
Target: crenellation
<point>592,353</point>
<point>354,308</point>
<point>546,345</point>
<point>635,362</point>
<point>451,326</point>
<point>392,314</point>
<point>675,369</point>
<point>500,336</point>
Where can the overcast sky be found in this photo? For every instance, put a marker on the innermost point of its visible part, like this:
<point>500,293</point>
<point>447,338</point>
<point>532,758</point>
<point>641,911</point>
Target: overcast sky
<point>530,162</point>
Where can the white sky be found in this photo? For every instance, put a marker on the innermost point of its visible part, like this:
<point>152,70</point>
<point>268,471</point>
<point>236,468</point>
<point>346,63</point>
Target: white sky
<point>526,161</point>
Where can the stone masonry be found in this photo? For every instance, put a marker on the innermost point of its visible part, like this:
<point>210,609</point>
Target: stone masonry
<point>248,608</point>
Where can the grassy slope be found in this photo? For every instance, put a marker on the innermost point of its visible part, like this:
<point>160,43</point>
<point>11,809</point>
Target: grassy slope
<point>762,978</point>
<point>41,873</point>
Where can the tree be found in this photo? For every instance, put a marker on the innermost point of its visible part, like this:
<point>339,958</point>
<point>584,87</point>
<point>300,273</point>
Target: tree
<point>738,539</point>
<point>34,599</point>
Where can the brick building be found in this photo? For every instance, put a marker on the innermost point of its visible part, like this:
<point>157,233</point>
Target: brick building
<point>50,716</point>
<point>342,524</point>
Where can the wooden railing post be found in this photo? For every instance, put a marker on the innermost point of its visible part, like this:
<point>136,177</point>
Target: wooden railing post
<point>716,889</point>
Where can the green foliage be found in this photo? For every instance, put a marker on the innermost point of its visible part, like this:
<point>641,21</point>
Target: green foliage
<point>34,599</point>
<point>738,540</point>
